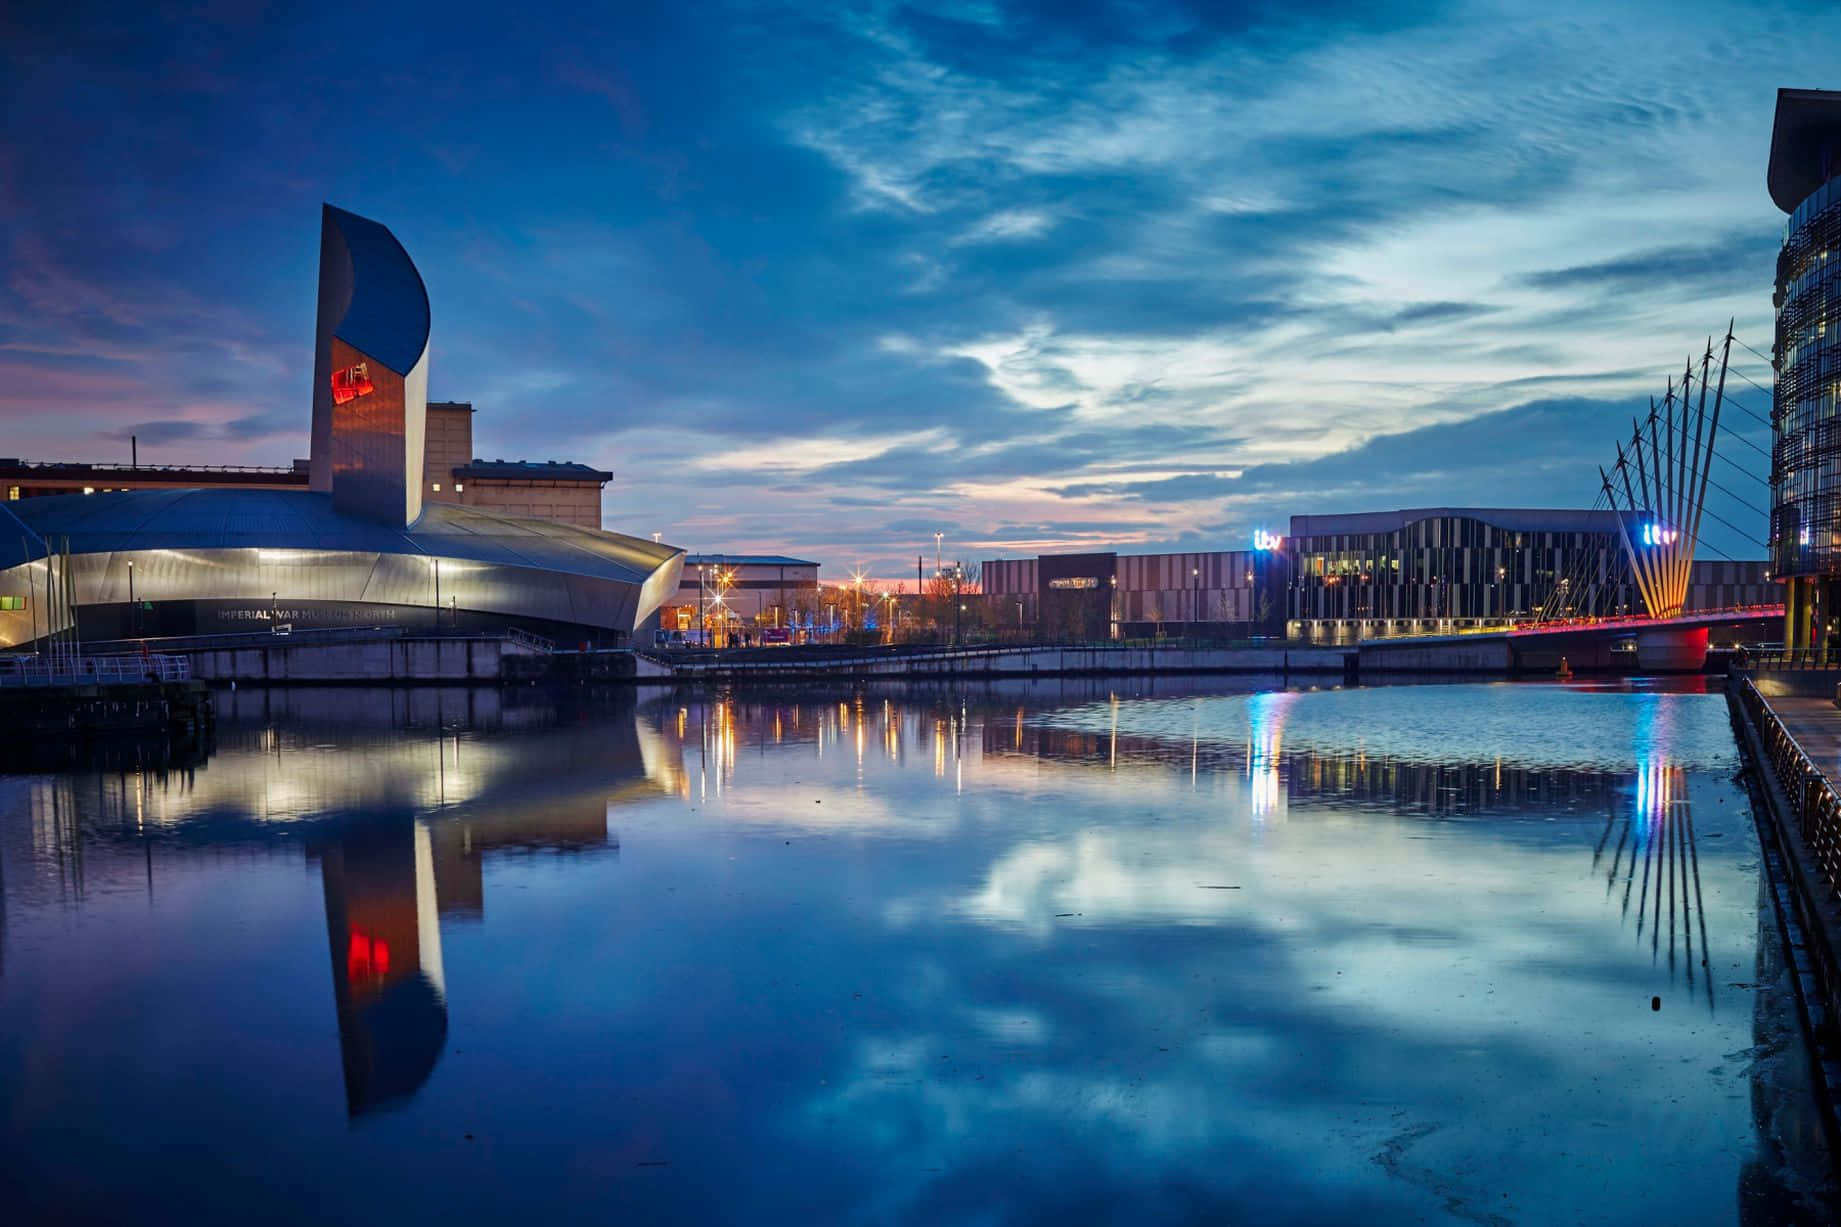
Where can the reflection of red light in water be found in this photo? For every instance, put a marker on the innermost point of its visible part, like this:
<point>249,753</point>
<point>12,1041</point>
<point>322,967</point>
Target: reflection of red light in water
<point>367,957</point>
<point>351,383</point>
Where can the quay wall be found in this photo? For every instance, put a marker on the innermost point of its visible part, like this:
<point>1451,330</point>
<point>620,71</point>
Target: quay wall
<point>767,665</point>
<point>377,661</point>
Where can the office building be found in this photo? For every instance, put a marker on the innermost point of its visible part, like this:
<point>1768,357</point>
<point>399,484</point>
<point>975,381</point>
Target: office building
<point>1804,177</point>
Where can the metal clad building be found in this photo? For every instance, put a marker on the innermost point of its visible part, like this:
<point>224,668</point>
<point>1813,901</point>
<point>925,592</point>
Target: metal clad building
<point>357,548</point>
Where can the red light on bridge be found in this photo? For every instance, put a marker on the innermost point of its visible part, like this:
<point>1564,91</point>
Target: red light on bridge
<point>351,383</point>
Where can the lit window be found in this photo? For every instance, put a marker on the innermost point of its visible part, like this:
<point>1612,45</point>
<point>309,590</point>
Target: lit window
<point>12,493</point>
<point>458,487</point>
<point>437,487</point>
<point>11,604</point>
<point>89,489</point>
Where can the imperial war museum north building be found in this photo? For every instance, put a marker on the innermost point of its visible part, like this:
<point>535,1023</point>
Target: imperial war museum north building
<point>359,546</point>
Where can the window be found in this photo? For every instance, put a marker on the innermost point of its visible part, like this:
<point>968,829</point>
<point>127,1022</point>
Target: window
<point>12,493</point>
<point>458,487</point>
<point>89,489</point>
<point>437,487</point>
<point>11,604</point>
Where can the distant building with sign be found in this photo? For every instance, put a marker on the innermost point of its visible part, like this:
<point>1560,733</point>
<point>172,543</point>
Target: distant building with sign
<point>1083,597</point>
<point>1340,578</point>
<point>1378,573</point>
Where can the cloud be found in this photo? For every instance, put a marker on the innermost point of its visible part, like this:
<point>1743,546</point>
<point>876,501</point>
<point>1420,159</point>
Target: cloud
<point>1024,264</point>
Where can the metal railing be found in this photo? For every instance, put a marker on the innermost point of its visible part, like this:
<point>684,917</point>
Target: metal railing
<point>1812,799</point>
<point>1800,658</point>
<point>536,643</point>
<point>93,670</point>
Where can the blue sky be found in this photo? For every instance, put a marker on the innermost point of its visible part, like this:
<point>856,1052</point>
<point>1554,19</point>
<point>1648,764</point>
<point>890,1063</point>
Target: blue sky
<point>827,279</point>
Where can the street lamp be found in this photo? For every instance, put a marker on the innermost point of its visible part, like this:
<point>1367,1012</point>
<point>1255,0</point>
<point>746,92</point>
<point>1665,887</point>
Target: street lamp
<point>939,541</point>
<point>134,610</point>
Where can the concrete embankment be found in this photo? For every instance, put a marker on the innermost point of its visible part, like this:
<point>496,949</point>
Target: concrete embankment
<point>382,658</point>
<point>993,662</point>
<point>403,659</point>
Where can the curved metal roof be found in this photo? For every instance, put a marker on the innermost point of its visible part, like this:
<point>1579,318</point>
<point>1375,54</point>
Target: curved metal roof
<point>1805,145</point>
<point>388,314</point>
<point>296,519</point>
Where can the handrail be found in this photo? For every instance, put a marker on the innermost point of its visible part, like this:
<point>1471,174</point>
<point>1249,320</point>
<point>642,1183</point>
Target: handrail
<point>31,671</point>
<point>536,643</point>
<point>1813,802</point>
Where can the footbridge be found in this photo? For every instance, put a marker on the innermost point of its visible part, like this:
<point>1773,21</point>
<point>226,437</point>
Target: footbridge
<point>1647,645</point>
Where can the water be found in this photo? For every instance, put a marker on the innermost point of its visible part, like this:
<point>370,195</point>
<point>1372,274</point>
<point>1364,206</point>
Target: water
<point>1027,954</point>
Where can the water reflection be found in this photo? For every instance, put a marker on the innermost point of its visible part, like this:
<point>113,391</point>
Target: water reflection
<point>1000,954</point>
<point>385,938</point>
<point>400,800</point>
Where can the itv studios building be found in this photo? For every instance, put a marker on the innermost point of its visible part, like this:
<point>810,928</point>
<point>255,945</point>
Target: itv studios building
<point>1340,578</point>
<point>367,543</point>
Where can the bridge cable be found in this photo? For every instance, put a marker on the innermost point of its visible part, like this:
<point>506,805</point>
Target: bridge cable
<point>1765,482</point>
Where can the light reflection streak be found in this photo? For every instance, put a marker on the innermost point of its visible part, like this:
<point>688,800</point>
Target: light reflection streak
<point>1265,745</point>
<point>1658,829</point>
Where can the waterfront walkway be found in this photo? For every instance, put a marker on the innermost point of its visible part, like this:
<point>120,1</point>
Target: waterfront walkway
<point>1815,725</point>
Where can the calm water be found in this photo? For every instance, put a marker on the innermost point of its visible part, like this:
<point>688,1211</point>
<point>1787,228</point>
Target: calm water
<point>1058,954</point>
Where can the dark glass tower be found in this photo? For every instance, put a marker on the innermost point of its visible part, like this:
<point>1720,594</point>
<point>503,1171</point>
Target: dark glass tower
<point>1805,182</point>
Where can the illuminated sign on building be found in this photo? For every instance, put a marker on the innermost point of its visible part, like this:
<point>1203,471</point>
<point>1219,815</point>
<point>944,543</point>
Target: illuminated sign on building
<point>1263,540</point>
<point>351,383</point>
<point>1655,534</point>
<point>1077,581</point>
<point>1802,538</point>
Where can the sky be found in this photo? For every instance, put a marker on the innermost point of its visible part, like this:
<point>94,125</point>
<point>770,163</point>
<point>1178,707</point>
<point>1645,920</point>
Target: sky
<point>828,279</point>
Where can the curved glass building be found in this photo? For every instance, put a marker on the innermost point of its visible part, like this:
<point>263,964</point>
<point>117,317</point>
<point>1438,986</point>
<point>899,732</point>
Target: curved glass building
<point>1805,182</point>
<point>358,547</point>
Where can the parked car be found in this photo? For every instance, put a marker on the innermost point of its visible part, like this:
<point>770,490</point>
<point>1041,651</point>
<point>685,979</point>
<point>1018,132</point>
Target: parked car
<point>667,639</point>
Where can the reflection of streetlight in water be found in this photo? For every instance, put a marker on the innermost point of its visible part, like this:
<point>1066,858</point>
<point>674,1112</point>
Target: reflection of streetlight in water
<point>1265,739</point>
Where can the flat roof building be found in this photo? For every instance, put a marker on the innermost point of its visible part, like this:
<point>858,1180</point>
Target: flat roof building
<point>735,592</point>
<point>1412,570</point>
<point>1106,595</point>
<point>566,492</point>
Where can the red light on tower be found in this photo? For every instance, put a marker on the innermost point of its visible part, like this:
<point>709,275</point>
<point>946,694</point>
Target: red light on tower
<point>351,383</point>
<point>367,958</point>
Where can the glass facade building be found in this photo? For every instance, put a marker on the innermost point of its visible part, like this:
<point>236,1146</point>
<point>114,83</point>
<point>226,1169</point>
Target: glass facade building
<point>1442,569</point>
<point>1806,404</point>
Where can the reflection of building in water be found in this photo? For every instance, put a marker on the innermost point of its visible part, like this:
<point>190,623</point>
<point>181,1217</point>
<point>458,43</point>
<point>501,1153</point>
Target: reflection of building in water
<point>401,820</point>
<point>388,885</point>
<point>1351,778</point>
<point>386,960</point>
